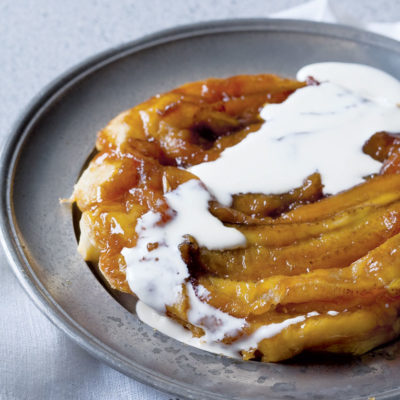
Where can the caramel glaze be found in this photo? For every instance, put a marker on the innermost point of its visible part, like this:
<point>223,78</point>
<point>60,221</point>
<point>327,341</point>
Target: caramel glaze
<point>146,148</point>
<point>184,127</point>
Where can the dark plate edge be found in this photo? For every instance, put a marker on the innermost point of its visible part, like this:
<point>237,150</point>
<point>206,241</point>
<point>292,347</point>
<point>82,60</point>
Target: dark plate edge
<point>9,237</point>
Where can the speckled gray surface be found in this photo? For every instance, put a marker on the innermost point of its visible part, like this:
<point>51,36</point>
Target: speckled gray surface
<point>39,40</point>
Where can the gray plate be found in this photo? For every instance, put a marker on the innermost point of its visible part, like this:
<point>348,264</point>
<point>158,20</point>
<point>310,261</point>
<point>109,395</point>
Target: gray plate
<point>45,155</point>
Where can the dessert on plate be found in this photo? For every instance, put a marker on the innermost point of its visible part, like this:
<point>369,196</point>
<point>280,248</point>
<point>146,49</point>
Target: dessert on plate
<point>259,213</point>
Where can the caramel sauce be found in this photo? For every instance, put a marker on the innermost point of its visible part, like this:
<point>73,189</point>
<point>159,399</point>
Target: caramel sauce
<point>306,253</point>
<point>184,127</point>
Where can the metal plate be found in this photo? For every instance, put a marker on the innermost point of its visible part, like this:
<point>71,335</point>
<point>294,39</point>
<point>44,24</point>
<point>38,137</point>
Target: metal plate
<point>44,157</point>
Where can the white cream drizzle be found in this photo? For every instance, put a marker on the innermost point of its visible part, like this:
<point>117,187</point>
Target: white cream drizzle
<point>169,327</point>
<point>175,330</point>
<point>318,128</point>
<point>215,323</point>
<point>157,276</point>
<point>269,331</point>
<point>368,82</point>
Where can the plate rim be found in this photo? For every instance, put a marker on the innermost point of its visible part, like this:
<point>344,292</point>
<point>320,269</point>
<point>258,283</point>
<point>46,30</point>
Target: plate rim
<point>20,130</point>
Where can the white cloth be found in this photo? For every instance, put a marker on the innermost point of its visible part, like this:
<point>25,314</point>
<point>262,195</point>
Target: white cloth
<point>320,10</point>
<point>37,361</point>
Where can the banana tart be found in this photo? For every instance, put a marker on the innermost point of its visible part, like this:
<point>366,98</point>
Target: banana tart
<point>259,216</point>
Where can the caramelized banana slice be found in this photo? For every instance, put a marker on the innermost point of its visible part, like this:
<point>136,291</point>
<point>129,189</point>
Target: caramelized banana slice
<point>380,145</point>
<point>385,147</point>
<point>106,176</point>
<point>262,205</point>
<point>333,249</point>
<point>276,336</point>
<point>353,332</point>
<point>377,272</point>
<point>113,268</point>
<point>197,121</point>
<point>105,231</point>
<point>278,234</point>
<point>380,190</point>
